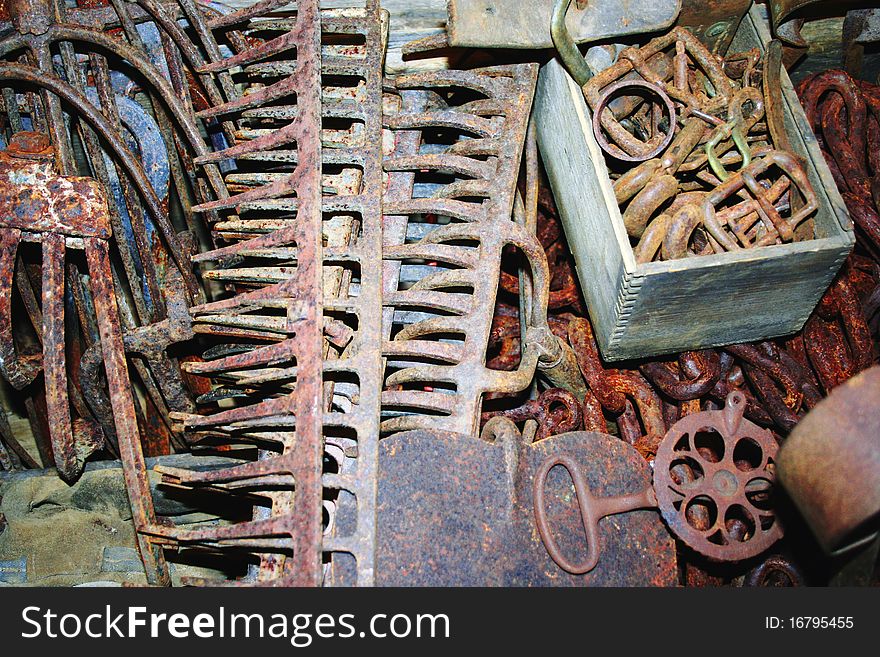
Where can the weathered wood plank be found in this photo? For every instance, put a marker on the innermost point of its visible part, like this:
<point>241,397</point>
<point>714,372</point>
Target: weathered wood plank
<point>582,189</point>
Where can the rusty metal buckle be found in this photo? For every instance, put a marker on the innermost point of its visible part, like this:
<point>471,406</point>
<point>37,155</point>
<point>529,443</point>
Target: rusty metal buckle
<point>775,226</point>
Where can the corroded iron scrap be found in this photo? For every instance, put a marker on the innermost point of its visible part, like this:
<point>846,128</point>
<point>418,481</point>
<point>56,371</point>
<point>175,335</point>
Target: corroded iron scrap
<point>74,73</point>
<point>829,464</point>
<point>291,189</point>
<point>348,286</point>
<point>712,481</point>
<point>713,476</point>
<point>40,206</point>
<point>715,174</point>
<point>555,411</point>
<point>781,380</point>
<point>455,511</point>
<point>62,213</point>
<point>845,115</point>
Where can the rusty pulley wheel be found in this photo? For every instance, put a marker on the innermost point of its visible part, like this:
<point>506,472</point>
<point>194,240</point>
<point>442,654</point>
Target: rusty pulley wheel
<point>713,477</point>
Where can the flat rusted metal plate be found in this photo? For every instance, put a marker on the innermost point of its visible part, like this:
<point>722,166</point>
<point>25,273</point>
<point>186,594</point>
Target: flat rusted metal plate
<point>714,23</point>
<point>515,24</point>
<point>458,511</point>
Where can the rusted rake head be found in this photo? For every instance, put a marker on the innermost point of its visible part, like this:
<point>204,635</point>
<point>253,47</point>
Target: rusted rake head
<point>297,355</point>
<point>458,136</point>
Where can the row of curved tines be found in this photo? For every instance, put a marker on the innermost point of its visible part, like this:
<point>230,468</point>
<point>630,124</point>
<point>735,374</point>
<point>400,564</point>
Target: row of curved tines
<point>282,126</point>
<point>451,178</point>
<point>349,427</point>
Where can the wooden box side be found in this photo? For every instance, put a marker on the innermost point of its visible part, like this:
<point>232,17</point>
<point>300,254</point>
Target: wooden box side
<point>723,301</point>
<point>582,189</point>
<point>832,219</point>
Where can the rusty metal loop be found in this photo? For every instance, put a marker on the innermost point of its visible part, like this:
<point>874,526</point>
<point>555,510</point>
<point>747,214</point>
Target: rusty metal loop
<point>592,510</point>
<point>590,520</point>
<point>705,366</point>
<point>651,150</point>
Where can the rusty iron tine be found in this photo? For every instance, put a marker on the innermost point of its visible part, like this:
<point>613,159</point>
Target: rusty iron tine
<point>54,362</point>
<point>143,512</point>
<point>19,370</point>
<point>256,10</point>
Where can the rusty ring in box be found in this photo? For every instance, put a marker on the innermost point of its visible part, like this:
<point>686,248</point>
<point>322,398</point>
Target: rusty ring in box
<point>614,150</point>
<point>736,483</point>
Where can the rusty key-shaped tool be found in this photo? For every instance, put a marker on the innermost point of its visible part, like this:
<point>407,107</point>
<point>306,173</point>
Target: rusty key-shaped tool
<point>712,479</point>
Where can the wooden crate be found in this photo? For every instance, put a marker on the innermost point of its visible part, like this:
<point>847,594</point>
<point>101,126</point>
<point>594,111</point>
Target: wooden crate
<point>641,310</point>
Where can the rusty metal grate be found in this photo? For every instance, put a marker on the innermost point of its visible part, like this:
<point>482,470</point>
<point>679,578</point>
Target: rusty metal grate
<point>314,321</point>
<point>308,219</point>
<point>458,140</point>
